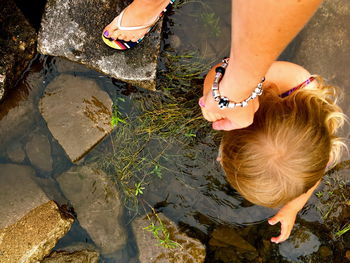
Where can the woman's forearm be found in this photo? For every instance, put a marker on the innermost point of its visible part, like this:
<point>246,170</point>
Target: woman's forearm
<point>261,29</point>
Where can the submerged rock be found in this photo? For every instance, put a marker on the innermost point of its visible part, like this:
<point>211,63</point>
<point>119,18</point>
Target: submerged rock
<point>97,205</point>
<point>226,236</point>
<point>301,243</point>
<point>38,150</point>
<point>31,238</point>
<point>15,152</point>
<point>72,29</point>
<point>19,193</point>
<point>84,256</point>
<point>187,250</point>
<point>77,112</point>
<point>17,45</point>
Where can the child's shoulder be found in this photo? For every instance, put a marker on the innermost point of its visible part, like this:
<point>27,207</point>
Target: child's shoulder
<point>287,75</point>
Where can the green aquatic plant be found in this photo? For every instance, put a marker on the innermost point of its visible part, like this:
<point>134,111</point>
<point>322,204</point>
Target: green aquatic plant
<point>116,117</point>
<point>211,22</point>
<point>139,189</point>
<point>343,230</point>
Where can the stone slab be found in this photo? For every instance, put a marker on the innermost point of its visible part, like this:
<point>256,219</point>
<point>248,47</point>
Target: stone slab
<point>77,112</point>
<point>97,205</point>
<point>18,193</point>
<point>31,238</point>
<point>73,28</point>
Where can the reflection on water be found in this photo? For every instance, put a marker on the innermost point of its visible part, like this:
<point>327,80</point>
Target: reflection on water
<point>188,185</point>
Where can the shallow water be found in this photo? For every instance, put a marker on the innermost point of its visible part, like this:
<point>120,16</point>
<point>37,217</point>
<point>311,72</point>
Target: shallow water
<point>190,188</point>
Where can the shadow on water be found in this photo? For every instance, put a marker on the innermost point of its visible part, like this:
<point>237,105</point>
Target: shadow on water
<point>175,164</point>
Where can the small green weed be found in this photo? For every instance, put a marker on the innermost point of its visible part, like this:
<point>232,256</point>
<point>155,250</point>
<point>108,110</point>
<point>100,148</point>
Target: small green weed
<point>160,232</point>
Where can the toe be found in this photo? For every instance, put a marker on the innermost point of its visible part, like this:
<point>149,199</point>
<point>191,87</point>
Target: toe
<point>134,39</point>
<point>115,34</point>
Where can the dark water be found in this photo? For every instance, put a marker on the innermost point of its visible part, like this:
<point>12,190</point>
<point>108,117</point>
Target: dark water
<point>192,190</point>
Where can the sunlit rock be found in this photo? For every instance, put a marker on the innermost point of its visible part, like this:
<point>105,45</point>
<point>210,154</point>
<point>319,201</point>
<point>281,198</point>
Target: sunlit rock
<point>73,29</point>
<point>184,248</point>
<point>38,150</point>
<point>31,238</point>
<point>83,256</point>
<point>19,193</point>
<point>17,45</point>
<point>77,113</point>
<point>97,205</point>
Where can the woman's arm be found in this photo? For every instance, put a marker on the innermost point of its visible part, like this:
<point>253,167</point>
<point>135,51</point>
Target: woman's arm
<point>287,214</point>
<point>261,29</point>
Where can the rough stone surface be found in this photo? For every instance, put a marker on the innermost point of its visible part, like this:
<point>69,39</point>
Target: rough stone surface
<point>97,205</point>
<point>18,193</point>
<point>301,243</point>
<point>17,45</point>
<point>38,150</point>
<point>189,250</point>
<point>34,235</point>
<point>77,112</point>
<point>16,153</point>
<point>72,29</point>
<point>84,256</point>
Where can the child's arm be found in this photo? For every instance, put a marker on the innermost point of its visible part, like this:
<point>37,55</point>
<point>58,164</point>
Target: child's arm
<point>287,214</point>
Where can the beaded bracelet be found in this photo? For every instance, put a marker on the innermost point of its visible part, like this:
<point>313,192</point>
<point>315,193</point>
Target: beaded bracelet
<point>224,102</point>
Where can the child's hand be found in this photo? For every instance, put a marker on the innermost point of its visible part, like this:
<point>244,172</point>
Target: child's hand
<point>286,216</point>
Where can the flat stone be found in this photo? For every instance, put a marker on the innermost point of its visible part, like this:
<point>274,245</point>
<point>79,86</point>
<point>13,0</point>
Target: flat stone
<point>19,193</point>
<point>77,112</point>
<point>97,205</point>
<point>17,45</point>
<point>31,238</point>
<point>15,152</point>
<point>188,250</point>
<point>73,30</point>
<point>84,256</point>
<point>38,150</point>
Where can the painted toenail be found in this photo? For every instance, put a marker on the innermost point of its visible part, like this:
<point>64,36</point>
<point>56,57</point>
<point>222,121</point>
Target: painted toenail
<point>106,33</point>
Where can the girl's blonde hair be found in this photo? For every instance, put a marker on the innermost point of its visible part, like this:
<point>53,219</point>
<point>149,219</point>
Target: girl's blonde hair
<point>287,148</point>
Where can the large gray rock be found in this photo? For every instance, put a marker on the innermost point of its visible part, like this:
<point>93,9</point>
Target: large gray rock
<point>72,29</point>
<point>97,205</point>
<point>77,112</point>
<point>31,238</point>
<point>38,150</point>
<point>17,45</point>
<point>187,250</point>
<point>18,193</point>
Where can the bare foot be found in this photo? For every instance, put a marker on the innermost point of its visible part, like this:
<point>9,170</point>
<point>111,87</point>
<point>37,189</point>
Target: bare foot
<point>138,13</point>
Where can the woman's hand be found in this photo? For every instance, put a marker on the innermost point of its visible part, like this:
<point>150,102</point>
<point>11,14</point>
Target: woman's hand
<point>286,216</point>
<point>225,119</point>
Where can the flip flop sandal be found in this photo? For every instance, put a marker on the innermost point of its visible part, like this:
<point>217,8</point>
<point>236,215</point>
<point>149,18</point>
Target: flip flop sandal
<point>123,45</point>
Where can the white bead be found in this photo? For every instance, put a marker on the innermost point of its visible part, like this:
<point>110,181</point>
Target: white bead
<point>253,96</point>
<point>244,103</point>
